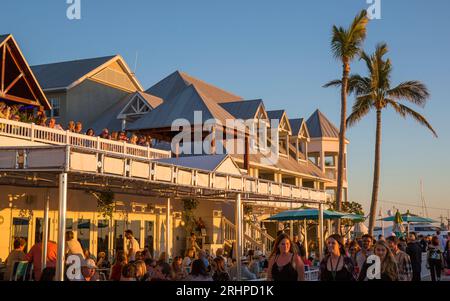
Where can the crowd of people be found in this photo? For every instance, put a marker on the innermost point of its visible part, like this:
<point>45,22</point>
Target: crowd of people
<point>17,113</point>
<point>400,260</point>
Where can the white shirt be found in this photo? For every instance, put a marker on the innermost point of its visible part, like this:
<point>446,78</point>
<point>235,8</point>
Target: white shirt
<point>132,243</point>
<point>73,247</point>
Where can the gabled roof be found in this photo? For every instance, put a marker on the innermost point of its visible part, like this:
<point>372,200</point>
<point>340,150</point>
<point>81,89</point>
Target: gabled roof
<point>18,84</point>
<point>297,124</point>
<point>246,109</point>
<point>182,107</point>
<point>204,162</point>
<point>319,126</point>
<point>66,75</point>
<point>169,87</point>
<point>108,119</point>
<point>281,116</point>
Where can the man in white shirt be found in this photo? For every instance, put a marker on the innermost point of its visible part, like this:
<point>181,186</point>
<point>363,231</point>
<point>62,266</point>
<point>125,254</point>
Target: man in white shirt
<point>132,245</point>
<point>73,246</point>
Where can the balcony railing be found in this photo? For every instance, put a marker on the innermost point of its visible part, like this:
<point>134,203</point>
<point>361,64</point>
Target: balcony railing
<point>36,133</point>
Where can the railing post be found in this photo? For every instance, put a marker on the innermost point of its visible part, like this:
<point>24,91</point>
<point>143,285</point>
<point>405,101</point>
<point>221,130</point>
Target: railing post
<point>67,137</point>
<point>32,132</point>
<point>98,143</point>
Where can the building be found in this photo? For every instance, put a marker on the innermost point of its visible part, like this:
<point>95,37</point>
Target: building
<point>78,178</point>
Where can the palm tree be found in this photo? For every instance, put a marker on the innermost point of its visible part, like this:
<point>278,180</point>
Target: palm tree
<point>375,92</point>
<point>346,45</point>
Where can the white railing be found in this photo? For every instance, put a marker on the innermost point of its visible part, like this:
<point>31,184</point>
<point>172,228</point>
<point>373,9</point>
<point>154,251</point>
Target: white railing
<point>254,237</point>
<point>260,236</point>
<point>32,132</point>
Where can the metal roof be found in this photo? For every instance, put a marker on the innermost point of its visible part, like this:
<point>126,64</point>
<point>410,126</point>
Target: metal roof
<point>276,114</point>
<point>182,106</point>
<point>169,87</point>
<point>245,109</point>
<point>319,126</point>
<point>108,119</point>
<point>63,74</point>
<point>296,125</point>
<point>203,162</point>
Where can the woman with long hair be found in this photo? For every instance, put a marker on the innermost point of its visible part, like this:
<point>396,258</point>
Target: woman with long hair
<point>220,274</point>
<point>388,269</point>
<point>141,270</point>
<point>284,263</point>
<point>336,266</point>
<point>352,250</point>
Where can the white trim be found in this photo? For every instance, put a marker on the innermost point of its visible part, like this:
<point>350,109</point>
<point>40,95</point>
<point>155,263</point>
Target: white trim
<point>135,99</point>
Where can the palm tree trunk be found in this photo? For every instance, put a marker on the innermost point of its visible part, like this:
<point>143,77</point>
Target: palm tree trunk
<point>341,163</point>
<point>376,175</point>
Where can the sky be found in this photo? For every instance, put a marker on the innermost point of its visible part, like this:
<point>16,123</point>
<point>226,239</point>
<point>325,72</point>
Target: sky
<point>278,51</point>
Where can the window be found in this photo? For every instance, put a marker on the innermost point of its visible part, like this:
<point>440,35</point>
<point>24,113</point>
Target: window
<point>56,106</point>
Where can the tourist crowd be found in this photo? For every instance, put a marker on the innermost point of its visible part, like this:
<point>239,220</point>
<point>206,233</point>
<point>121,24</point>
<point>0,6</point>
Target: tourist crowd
<point>399,259</point>
<point>17,113</point>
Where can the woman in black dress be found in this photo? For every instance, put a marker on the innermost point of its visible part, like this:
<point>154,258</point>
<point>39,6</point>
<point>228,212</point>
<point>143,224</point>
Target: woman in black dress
<point>336,266</point>
<point>284,263</point>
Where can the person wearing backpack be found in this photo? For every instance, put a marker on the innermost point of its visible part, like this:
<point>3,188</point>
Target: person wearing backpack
<point>435,259</point>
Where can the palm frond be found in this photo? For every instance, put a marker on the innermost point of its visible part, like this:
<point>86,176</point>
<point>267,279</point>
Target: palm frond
<point>346,43</point>
<point>333,83</point>
<point>405,111</point>
<point>362,106</point>
<point>412,91</point>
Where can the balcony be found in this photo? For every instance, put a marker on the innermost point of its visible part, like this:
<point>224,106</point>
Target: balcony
<point>44,135</point>
<point>56,151</point>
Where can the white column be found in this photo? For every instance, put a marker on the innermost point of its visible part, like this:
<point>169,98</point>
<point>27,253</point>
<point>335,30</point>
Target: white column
<point>329,227</point>
<point>306,236</point>
<point>45,234</point>
<point>238,222</point>
<point>61,226</point>
<point>321,241</point>
<point>168,231</point>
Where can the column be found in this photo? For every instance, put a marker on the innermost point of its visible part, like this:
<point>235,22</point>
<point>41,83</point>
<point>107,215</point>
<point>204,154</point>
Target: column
<point>321,241</point>
<point>305,226</point>
<point>45,234</point>
<point>238,222</point>
<point>168,231</point>
<point>61,226</point>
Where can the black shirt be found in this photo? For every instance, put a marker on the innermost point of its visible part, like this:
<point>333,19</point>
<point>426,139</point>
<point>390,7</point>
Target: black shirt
<point>344,274</point>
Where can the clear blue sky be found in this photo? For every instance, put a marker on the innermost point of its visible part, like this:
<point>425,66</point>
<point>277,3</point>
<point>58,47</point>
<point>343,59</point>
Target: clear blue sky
<point>278,51</point>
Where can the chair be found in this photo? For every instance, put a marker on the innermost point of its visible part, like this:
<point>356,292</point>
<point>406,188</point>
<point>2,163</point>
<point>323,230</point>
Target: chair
<point>20,270</point>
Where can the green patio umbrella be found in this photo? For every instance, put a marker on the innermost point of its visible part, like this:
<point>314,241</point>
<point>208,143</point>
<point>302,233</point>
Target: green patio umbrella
<point>408,218</point>
<point>305,213</point>
<point>354,217</point>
